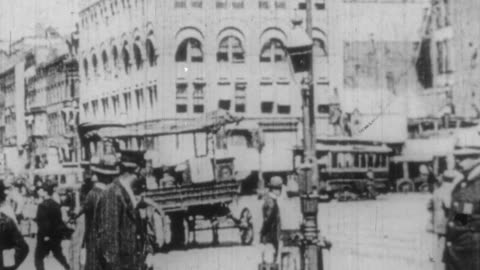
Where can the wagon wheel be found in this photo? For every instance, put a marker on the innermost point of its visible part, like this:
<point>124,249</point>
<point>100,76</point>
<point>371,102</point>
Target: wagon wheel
<point>405,186</point>
<point>423,188</point>
<point>246,227</point>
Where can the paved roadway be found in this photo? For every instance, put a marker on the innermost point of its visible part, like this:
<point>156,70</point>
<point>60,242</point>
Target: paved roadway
<point>388,233</point>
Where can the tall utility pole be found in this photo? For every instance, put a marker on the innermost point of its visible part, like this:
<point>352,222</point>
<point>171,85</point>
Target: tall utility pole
<point>311,251</point>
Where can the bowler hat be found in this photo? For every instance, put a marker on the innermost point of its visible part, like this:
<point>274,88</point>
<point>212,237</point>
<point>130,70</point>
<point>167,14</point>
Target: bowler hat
<point>131,159</point>
<point>276,182</point>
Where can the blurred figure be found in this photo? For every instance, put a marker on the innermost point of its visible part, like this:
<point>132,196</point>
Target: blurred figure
<point>152,182</point>
<point>16,200</point>
<point>167,180</point>
<point>370,188</point>
<point>432,180</point>
<point>13,248</point>
<point>6,206</point>
<point>270,231</point>
<point>438,207</point>
<point>122,242</point>
<point>50,230</point>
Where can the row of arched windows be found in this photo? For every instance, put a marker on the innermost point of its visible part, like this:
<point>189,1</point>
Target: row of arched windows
<point>190,50</point>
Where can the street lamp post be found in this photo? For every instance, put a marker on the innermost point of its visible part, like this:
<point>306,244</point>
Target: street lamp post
<point>299,48</point>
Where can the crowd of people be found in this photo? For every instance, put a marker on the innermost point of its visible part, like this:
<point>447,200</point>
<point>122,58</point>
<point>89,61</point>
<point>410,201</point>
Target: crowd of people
<point>117,234</point>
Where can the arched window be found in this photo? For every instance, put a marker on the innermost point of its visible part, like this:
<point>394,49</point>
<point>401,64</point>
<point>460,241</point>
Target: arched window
<point>85,67</point>
<point>105,60</point>
<point>319,48</point>
<point>231,50</point>
<point>115,56</point>
<point>137,53</point>
<point>151,54</point>
<point>273,51</point>
<point>126,57</point>
<point>94,63</point>
<point>190,50</point>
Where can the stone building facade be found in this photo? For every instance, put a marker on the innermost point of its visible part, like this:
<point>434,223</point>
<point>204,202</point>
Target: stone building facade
<point>146,62</point>
<point>52,93</point>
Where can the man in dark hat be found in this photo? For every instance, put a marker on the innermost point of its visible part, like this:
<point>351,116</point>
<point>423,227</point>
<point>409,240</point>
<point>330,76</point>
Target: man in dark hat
<point>103,172</point>
<point>13,248</point>
<point>50,229</point>
<point>122,238</point>
<point>462,247</point>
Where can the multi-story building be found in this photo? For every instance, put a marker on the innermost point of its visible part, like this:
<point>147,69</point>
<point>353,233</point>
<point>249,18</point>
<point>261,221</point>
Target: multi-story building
<point>15,67</point>
<point>172,61</point>
<point>52,110</point>
<point>144,63</point>
<point>12,88</point>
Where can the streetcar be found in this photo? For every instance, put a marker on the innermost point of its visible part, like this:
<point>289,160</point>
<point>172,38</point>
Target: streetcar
<point>344,164</point>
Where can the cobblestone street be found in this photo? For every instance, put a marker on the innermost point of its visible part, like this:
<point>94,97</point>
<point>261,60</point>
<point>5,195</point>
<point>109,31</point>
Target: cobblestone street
<point>386,233</point>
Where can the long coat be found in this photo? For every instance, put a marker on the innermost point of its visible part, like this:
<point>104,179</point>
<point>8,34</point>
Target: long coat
<point>121,240</point>
<point>91,229</point>
<point>270,231</point>
<point>462,250</point>
<point>11,238</point>
<point>49,220</point>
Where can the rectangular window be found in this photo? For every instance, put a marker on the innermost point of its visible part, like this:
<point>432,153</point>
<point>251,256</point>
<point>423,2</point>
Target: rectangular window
<point>440,57</point>
<point>127,98</point>
<point>152,95</point>
<point>267,107</point>
<point>197,3</point>
<point>447,56</point>
<point>238,4</point>
<point>320,6</point>
<point>283,109</point>
<point>116,104</point>
<point>198,98</point>
<point>224,104</point>
<point>139,98</point>
<point>280,4</point>
<point>221,4</point>
<point>323,108</point>
<point>181,108</point>
<point>240,97</point>
<point>180,3</point>
<point>181,97</point>
<point>105,106</point>
<point>302,6</point>
<point>263,4</point>
<point>95,107</point>
<point>86,109</point>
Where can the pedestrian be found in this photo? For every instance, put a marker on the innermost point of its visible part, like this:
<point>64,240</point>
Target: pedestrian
<point>13,248</point>
<point>5,205</point>
<point>270,231</point>
<point>370,187</point>
<point>462,249</point>
<point>167,180</point>
<point>122,241</point>
<point>51,229</point>
<point>103,174</point>
<point>439,206</point>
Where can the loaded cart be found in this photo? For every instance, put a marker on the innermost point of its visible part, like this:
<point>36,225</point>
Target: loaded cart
<point>191,175</point>
<point>206,206</point>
